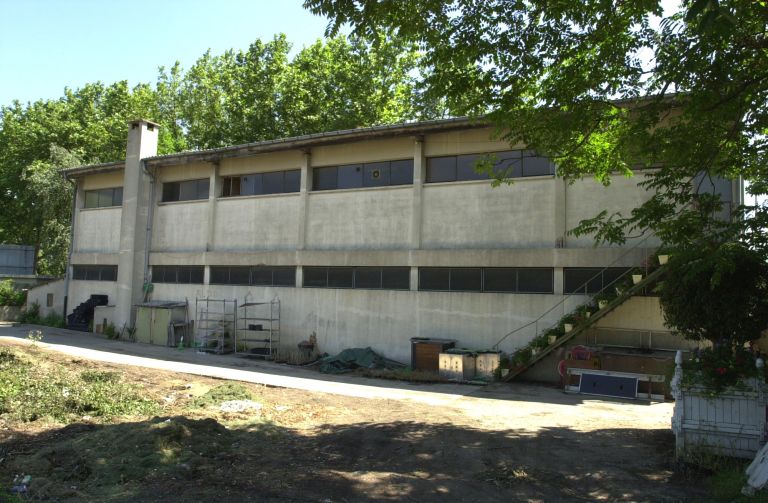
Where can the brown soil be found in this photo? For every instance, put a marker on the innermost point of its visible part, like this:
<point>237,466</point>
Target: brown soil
<point>529,444</point>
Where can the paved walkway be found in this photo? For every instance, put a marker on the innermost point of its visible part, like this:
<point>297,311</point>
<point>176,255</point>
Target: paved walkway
<point>520,398</point>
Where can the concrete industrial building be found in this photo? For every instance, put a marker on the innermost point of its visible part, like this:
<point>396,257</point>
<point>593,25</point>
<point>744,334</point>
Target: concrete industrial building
<point>368,237</point>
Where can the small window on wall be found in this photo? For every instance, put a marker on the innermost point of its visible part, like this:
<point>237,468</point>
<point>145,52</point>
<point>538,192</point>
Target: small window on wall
<point>180,274</point>
<point>510,164</point>
<point>371,174</point>
<point>189,190</point>
<point>589,280</point>
<point>363,278</point>
<point>275,182</point>
<point>49,300</point>
<point>104,198</point>
<point>253,275</point>
<point>94,272</point>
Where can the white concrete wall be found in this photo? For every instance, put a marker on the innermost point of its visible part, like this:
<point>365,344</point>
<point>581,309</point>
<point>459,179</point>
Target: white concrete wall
<point>180,226</point>
<point>98,230</point>
<point>477,215</point>
<point>81,290</point>
<point>256,223</point>
<point>371,219</point>
<point>40,293</point>
<point>384,320</point>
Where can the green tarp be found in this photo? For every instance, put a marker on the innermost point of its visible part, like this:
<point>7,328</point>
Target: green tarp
<point>353,358</point>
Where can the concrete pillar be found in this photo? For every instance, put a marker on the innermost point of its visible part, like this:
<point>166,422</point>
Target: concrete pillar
<point>299,276</point>
<point>213,192</point>
<point>419,175</point>
<point>304,188</point>
<point>142,143</point>
<point>414,279</point>
<point>559,281</point>
<point>559,212</point>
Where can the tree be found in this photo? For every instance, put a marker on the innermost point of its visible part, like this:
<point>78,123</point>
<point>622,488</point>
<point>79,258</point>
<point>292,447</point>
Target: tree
<point>717,292</point>
<point>605,90</point>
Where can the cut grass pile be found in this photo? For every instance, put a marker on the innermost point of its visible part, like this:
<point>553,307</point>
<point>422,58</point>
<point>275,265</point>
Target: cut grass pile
<point>223,393</point>
<point>31,390</point>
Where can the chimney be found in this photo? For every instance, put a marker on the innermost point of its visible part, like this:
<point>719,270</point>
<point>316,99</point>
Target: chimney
<point>142,143</point>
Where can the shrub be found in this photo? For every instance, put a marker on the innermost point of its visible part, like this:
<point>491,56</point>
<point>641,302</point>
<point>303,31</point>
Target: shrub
<point>31,315</point>
<point>9,296</point>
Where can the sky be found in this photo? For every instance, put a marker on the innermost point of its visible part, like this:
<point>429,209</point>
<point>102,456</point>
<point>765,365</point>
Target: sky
<point>47,45</point>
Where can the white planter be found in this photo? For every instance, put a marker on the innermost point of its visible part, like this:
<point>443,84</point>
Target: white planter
<point>568,326</point>
<point>637,278</point>
<point>551,339</point>
<point>587,314</point>
<point>732,423</point>
<point>663,259</point>
<point>534,351</point>
<point>602,304</point>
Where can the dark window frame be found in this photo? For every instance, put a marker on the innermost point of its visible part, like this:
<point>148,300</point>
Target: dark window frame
<point>371,175</point>
<point>171,192</point>
<point>288,185</point>
<point>449,168</point>
<point>280,275</point>
<point>178,274</point>
<point>450,272</point>
<point>608,276</point>
<point>92,272</point>
<point>388,275</point>
<point>113,198</point>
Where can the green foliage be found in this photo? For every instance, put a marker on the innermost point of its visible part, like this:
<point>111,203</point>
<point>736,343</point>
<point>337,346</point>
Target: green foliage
<point>233,98</point>
<point>606,91</point>
<point>31,315</point>
<point>223,393</point>
<point>717,292</point>
<point>9,296</point>
<point>720,367</point>
<point>31,391</point>
<point>110,331</point>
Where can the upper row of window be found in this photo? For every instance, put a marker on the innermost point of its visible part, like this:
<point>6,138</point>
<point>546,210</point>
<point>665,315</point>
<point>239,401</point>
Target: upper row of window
<point>510,163</point>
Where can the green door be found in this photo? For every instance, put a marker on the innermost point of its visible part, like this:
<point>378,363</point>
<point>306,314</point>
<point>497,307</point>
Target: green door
<point>160,320</point>
<point>144,325</point>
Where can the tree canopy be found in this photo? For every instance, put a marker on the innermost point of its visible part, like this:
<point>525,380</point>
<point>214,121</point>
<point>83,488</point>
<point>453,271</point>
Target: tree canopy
<point>606,88</point>
<point>236,97</point>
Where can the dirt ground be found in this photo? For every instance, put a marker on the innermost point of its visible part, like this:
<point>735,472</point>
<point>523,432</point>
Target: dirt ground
<point>532,444</point>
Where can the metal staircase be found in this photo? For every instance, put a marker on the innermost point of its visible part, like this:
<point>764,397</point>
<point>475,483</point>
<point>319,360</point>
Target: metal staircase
<point>585,323</point>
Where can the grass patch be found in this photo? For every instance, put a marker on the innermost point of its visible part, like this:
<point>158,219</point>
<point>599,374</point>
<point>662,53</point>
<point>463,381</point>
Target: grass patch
<point>725,476</point>
<point>30,391</point>
<point>223,393</point>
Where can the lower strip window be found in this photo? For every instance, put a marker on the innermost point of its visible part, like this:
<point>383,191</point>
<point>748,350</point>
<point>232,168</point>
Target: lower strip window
<point>181,274</point>
<point>95,272</point>
<point>253,275</point>
<point>368,278</point>
<point>487,279</point>
<point>588,280</point>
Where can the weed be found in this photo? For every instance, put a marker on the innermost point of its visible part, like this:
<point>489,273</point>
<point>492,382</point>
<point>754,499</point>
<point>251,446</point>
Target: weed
<point>403,374</point>
<point>31,314</point>
<point>110,331</point>
<point>35,336</point>
<point>29,392</point>
<point>223,393</point>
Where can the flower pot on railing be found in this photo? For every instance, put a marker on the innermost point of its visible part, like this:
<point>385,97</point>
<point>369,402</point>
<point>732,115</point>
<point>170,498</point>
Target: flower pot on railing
<point>551,339</point>
<point>568,327</point>
<point>602,304</point>
<point>637,278</point>
<point>663,259</point>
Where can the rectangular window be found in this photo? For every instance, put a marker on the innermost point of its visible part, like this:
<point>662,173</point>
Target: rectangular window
<point>590,280</point>
<point>189,190</point>
<point>509,164</point>
<point>253,275</point>
<point>94,272</point>
<point>487,279</point>
<point>365,278</point>
<point>257,184</point>
<point>371,174</point>
<point>104,198</point>
<point>179,274</point>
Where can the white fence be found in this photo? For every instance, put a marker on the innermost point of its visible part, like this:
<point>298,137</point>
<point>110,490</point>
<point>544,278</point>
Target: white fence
<point>732,423</point>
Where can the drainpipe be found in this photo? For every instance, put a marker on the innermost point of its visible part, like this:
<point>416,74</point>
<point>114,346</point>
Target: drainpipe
<point>67,273</point>
<point>150,215</point>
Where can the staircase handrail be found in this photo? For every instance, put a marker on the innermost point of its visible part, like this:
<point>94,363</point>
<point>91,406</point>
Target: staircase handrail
<point>584,286</point>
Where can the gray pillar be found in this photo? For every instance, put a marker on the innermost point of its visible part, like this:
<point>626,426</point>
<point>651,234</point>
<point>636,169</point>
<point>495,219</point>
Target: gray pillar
<point>419,175</point>
<point>213,193</point>
<point>560,187</point>
<point>304,188</point>
<point>142,143</point>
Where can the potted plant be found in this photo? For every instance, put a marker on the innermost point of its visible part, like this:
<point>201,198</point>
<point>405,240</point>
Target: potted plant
<point>602,299</point>
<point>663,259</point>
<point>552,335</point>
<point>637,276</point>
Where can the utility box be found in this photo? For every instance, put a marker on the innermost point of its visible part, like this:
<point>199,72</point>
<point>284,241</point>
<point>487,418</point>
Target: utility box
<point>459,367</point>
<point>425,352</point>
<point>487,363</point>
<point>162,323</point>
